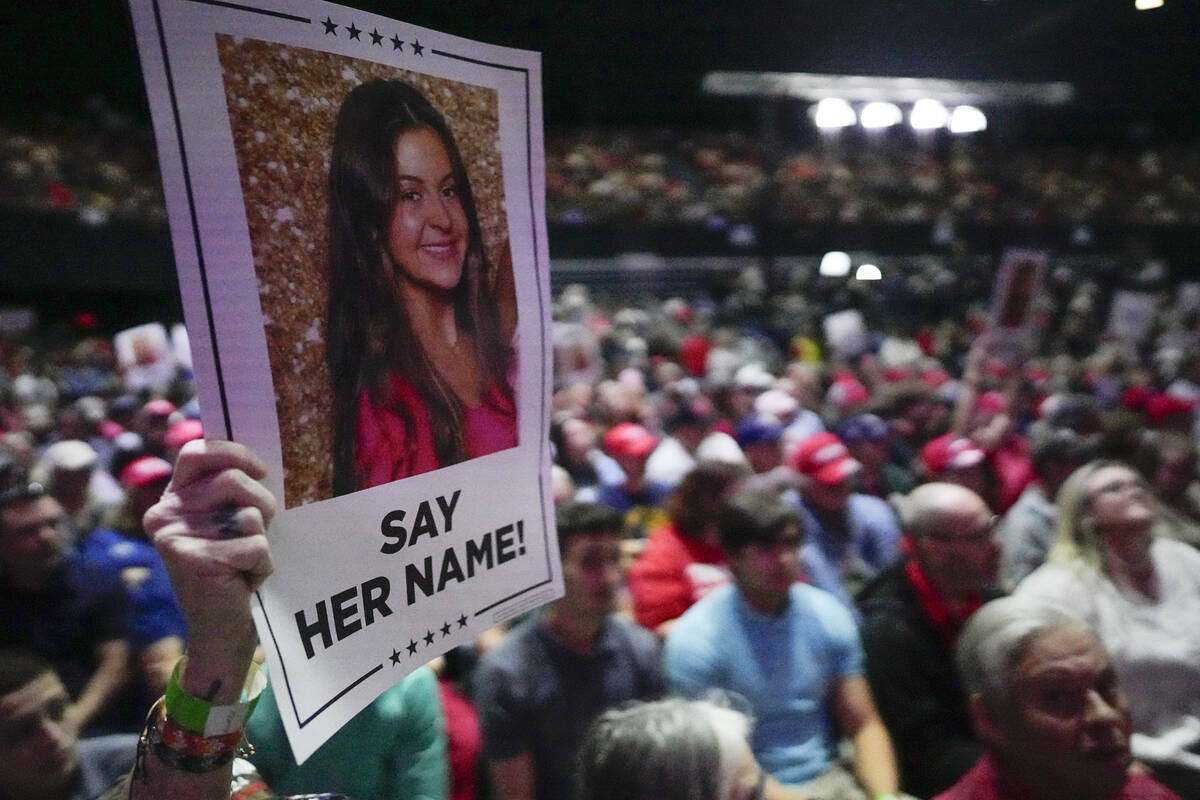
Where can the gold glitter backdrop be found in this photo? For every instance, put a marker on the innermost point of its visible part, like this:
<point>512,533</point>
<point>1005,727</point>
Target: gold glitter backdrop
<point>282,105</point>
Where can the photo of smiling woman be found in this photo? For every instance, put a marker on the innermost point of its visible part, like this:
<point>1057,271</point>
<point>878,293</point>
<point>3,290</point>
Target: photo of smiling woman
<point>420,320</point>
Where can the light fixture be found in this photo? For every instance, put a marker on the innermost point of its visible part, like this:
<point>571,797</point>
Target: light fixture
<point>833,112</point>
<point>927,115</point>
<point>967,119</point>
<point>835,264</point>
<point>880,115</point>
<point>868,272</point>
<point>1146,5</point>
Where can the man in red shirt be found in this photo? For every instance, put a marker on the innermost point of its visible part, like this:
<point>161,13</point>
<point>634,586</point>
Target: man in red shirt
<point>1047,707</point>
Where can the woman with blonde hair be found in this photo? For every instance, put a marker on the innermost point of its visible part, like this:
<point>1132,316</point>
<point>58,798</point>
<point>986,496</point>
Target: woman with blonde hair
<point>1141,594</point>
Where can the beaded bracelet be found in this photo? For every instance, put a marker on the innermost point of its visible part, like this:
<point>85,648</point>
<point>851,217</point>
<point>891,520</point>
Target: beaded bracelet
<point>184,750</point>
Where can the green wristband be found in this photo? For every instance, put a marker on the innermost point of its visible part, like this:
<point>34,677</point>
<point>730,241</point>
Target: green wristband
<point>202,717</point>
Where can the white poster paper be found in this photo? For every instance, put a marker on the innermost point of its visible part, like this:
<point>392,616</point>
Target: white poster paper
<point>1187,297</point>
<point>846,332</point>
<point>357,212</point>
<point>1131,315</point>
<point>145,357</point>
<point>1018,281</point>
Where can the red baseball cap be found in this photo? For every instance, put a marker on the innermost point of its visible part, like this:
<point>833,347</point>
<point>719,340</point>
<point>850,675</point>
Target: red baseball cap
<point>1160,406</point>
<point>159,408</point>
<point>182,432</point>
<point>824,458</point>
<point>629,439</point>
<point>992,402</point>
<point>143,471</point>
<point>951,451</point>
<point>846,392</point>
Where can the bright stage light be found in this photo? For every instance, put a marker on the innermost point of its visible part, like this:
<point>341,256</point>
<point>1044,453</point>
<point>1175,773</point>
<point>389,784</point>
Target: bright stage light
<point>927,115</point>
<point>835,264</point>
<point>1146,5</point>
<point>868,272</point>
<point>880,115</point>
<point>967,119</point>
<point>833,112</point>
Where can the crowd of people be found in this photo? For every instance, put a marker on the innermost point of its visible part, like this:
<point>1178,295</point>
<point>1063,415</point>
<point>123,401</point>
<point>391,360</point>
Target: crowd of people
<point>802,532</point>
<point>101,167</point>
<point>670,178</point>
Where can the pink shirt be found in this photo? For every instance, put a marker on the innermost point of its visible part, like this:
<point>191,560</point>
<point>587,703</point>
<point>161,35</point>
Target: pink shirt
<point>386,450</point>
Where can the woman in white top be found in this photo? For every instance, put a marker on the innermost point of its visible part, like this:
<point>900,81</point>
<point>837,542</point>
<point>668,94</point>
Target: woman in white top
<point>1141,594</point>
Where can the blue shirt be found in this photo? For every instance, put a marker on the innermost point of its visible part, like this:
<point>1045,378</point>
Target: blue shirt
<point>841,565</point>
<point>153,613</point>
<point>785,666</point>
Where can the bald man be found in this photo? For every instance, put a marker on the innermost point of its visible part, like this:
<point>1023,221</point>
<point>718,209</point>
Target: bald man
<point>912,615</point>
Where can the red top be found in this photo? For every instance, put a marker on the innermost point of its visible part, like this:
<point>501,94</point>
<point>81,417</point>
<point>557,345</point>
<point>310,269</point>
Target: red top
<point>464,741</point>
<point>947,623</point>
<point>1013,468</point>
<point>693,354</point>
<point>982,783</point>
<point>383,451</point>
<point>672,573</point>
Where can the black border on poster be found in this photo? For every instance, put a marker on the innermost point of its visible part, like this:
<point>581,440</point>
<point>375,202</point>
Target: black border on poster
<point>212,331</point>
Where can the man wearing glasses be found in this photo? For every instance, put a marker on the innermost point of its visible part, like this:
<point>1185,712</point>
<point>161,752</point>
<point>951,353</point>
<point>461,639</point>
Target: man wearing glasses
<point>912,615</point>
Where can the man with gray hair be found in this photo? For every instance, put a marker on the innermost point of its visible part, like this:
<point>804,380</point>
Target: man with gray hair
<point>912,615</point>
<point>1047,708</point>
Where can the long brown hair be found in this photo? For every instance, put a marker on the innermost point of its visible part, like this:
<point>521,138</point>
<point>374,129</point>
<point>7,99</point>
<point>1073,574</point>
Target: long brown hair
<point>370,337</point>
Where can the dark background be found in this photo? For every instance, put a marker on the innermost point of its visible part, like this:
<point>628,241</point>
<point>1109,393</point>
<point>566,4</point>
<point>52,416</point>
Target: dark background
<point>639,62</point>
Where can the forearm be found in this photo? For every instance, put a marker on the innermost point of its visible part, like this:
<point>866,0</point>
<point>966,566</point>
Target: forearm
<point>874,761</point>
<point>110,676</point>
<point>154,780</point>
<point>216,674</point>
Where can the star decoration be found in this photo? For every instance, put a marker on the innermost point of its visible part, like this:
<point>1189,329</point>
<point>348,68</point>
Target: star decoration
<point>397,43</point>
<point>445,629</point>
<point>354,32</point>
<point>428,638</point>
<point>462,621</point>
<point>376,37</point>
<point>418,48</point>
<point>412,647</point>
<point>395,656</point>
<point>330,27</point>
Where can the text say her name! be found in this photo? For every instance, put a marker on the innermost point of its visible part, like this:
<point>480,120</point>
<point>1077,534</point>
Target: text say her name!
<point>349,611</point>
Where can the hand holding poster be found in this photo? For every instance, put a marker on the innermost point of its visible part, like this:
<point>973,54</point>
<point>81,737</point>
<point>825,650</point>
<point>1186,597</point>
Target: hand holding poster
<point>356,206</point>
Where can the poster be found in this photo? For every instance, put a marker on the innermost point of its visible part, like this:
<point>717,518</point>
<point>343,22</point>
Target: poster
<point>1018,282</point>
<point>357,211</point>
<point>1131,315</point>
<point>846,332</point>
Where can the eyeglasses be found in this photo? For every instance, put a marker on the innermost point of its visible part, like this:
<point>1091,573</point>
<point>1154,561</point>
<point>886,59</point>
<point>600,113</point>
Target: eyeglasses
<point>984,533</point>
<point>1119,485</point>
<point>21,493</point>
